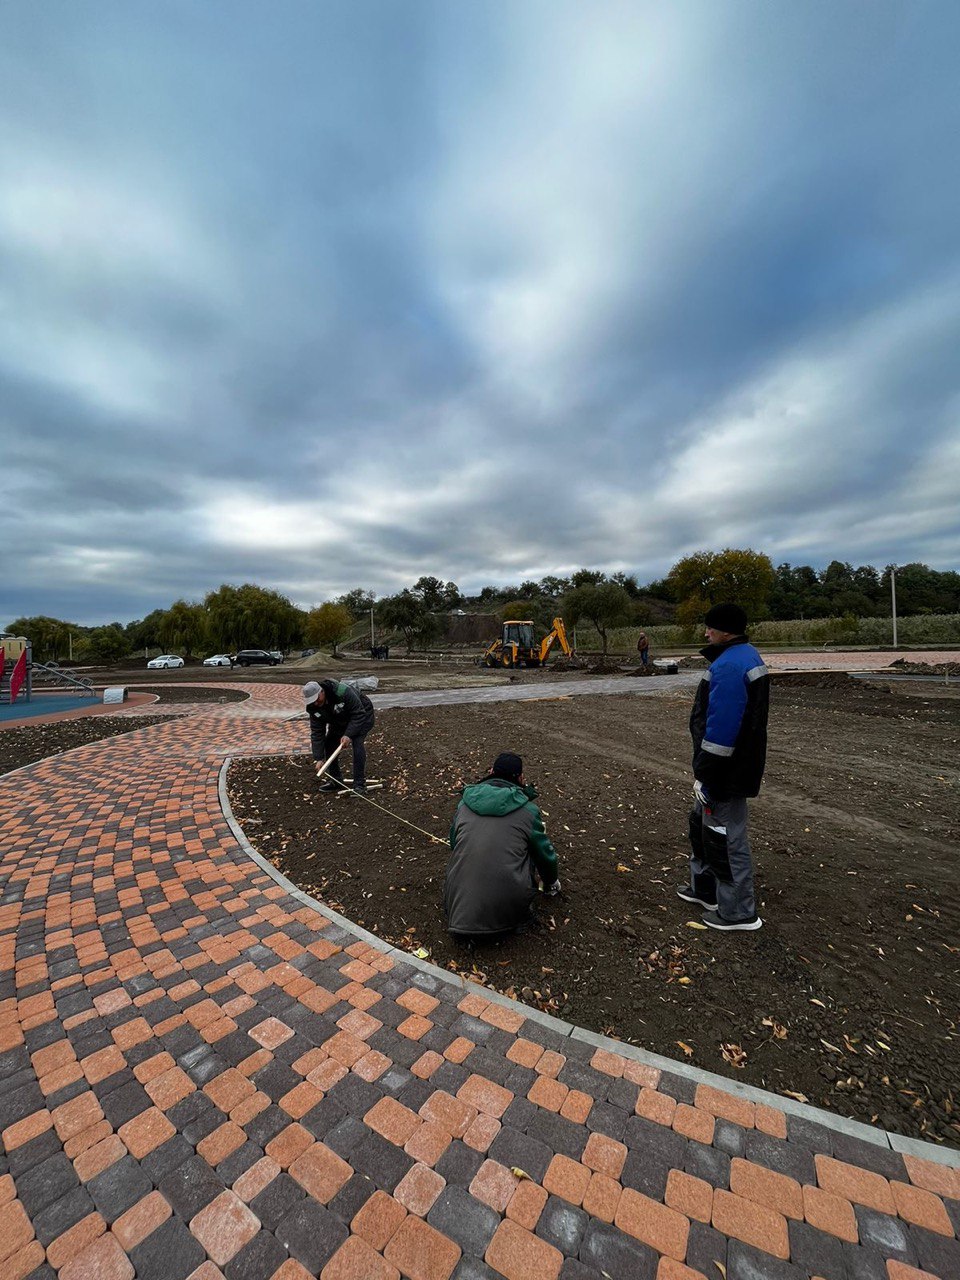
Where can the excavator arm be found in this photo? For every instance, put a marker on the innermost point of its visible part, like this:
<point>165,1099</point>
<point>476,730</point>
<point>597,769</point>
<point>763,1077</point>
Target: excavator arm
<point>558,635</point>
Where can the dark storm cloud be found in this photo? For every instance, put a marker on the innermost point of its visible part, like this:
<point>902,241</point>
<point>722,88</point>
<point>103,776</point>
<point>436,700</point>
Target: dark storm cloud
<point>333,295</point>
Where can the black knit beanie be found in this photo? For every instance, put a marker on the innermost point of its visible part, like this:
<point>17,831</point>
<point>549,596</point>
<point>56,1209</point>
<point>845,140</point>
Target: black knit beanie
<point>507,766</point>
<point>727,617</point>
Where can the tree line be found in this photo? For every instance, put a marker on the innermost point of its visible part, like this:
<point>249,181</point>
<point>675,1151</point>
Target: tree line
<point>239,617</point>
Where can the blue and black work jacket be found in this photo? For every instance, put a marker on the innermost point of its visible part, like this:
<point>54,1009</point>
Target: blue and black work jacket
<point>345,713</point>
<point>728,723</point>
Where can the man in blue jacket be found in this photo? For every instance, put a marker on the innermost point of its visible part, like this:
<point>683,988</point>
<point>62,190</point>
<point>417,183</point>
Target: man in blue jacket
<point>728,725</point>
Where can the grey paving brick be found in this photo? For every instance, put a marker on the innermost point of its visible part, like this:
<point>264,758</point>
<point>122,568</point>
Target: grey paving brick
<point>474,1269</point>
<point>645,1171</point>
<point>169,1253</point>
<point>782,1157</point>
<point>623,1094</point>
<point>326,1115</point>
<point>730,1138</point>
<point>641,1134</point>
<point>464,1219</point>
<point>746,1263</point>
<point>381,1161</point>
<point>238,1162</point>
<point>416,1092</point>
<point>165,1158</point>
<point>869,1155</point>
<point>258,1259</point>
<point>118,1188</point>
<point>807,1133</point>
<point>938,1254</point>
<point>572,1269</point>
<point>815,1251</point>
<point>34,1152</point>
<point>459,1164</point>
<point>126,1102</point>
<point>311,1234</point>
<point>609,1120</point>
<point>267,1125</point>
<point>347,1135</point>
<point>354,1095</point>
<point>276,1200</point>
<point>512,1148</point>
<point>607,1249</point>
<point>708,1163</point>
<point>680,1087</point>
<point>864,1262</point>
<point>191,1186</point>
<point>62,1214</point>
<point>705,1248</point>
<point>351,1197</point>
<point>561,1135</point>
<point>890,1235</point>
<point>562,1225</point>
<point>520,1113</point>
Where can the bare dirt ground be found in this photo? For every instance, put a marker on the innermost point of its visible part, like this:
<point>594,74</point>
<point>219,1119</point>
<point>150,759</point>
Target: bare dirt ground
<point>848,996</point>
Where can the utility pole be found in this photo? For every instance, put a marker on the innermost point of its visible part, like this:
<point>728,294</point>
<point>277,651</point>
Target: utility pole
<point>372,638</point>
<point>893,601</point>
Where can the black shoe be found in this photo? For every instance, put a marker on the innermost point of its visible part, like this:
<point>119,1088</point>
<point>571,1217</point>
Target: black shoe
<point>359,789</point>
<point>687,894</point>
<point>330,785</point>
<point>714,921</point>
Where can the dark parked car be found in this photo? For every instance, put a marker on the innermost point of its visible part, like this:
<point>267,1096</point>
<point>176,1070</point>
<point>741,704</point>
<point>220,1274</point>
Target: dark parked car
<point>255,657</point>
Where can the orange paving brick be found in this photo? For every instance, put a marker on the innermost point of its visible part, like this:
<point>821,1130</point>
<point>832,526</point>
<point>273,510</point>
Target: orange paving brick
<point>427,1064</point>
<point>941,1179</point>
<point>452,1114</point>
<point>378,1220</point>
<point>224,1227</point>
<point>482,1132</point>
<point>659,1107</point>
<point>830,1213</point>
<point>922,1208</point>
<point>428,1143</point>
<point>87,1138</point>
<point>24,1261</point>
<point>502,1018</point>
<point>97,1158</point>
<point>76,1115</point>
<point>26,1130</point>
<point>577,1106</point>
<point>494,1184</point>
<point>416,1001</point>
<point>725,1105</point>
<point>418,1189</point>
<point>611,1064</point>
<point>567,1178</point>
<point>170,1087</point>
<point>526,1204</point>
<point>289,1144</point>
<point>604,1155</point>
<point>145,1132</point>
<point>355,1260</point>
<point>657,1225</point>
<point>146,1215</point>
<point>764,1186</point>
<point>270,1033</point>
<point>16,1229</point>
<point>415,1027</point>
<point>862,1186</point>
<point>229,1088</point>
<point>392,1120</point>
<point>602,1197</point>
<point>548,1093</point>
<point>321,1172</point>
<point>73,1241</point>
<point>460,1049</point>
<point>770,1120</point>
<point>421,1252</point>
<point>693,1123</point>
<point>104,1260</point>
<point>371,1066</point>
<point>359,1024</point>
<point>752,1223</point>
<point>301,1099</point>
<point>256,1178</point>
<point>526,1053</point>
<point>550,1064</point>
<point>519,1255</point>
<point>486,1096</point>
<point>670,1269</point>
<point>689,1195</point>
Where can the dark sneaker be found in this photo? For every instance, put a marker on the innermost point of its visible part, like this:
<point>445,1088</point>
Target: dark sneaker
<point>330,785</point>
<point>359,789</point>
<point>714,921</point>
<point>687,894</point>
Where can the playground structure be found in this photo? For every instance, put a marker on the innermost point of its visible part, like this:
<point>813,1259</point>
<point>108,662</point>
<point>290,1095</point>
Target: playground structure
<point>18,671</point>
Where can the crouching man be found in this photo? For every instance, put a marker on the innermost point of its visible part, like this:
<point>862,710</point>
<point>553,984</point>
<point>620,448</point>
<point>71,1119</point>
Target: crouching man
<point>499,851</point>
<point>339,715</point>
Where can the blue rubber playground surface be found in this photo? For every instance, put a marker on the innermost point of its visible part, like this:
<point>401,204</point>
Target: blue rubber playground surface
<point>46,704</point>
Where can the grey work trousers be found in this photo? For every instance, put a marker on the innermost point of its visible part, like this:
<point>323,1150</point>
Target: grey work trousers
<point>721,867</point>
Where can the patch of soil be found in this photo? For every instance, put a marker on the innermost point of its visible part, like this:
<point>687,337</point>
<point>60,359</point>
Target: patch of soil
<point>27,743</point>
<point>847,997</point>
<point>196,693</point>
<point>926,668</point>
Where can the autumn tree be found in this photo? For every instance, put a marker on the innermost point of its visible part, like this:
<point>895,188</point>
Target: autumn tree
<point>328,625</point>
<point>605,605</point>
<point>712,577</point>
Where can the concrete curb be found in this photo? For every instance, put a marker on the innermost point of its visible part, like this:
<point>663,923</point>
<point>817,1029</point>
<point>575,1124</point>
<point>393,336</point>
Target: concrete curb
<point>803,1110</point>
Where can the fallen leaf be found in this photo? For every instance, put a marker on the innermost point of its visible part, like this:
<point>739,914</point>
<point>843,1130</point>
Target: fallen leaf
<point>695,924</point>
<point>683,982</point>
<point>686,1048</point>
<point>520,1173</point>
<point>735,1054</point>
<point>800,1097</point>
<point>819,1002</point>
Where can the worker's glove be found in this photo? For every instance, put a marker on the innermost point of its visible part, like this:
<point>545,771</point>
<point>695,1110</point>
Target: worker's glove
<point>700,793</point>
<point>551,890</point>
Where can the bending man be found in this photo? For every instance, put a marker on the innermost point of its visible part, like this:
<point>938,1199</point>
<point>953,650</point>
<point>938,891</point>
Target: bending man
<point>338,713</point>
<point>499,850</point>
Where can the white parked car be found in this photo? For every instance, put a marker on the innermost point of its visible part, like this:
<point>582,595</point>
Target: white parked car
<point>218,660</point>
<point>165,660</point>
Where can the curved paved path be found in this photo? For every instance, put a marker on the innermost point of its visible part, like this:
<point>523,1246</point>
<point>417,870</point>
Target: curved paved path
<point>200,1076</point>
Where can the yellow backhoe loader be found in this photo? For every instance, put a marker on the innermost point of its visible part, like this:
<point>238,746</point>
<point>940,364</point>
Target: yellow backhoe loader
<point>516,646</point>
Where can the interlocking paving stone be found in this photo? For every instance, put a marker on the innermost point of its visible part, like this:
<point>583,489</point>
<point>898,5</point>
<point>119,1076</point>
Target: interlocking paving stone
<point>170,1016</point>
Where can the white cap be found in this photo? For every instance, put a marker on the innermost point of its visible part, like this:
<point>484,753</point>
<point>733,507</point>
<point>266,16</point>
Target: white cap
<point>310,691</point>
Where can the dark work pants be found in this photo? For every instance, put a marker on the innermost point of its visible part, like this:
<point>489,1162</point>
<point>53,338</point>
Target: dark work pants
<point>721,866</point>
<point>359,759</point>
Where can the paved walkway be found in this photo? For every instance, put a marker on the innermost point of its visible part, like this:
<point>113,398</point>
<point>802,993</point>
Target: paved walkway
<point>202,1076</point>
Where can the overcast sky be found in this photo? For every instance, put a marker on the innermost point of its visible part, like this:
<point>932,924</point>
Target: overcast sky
<point>324,295</point>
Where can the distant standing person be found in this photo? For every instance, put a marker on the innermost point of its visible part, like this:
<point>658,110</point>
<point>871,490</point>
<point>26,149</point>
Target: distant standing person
<point>499,849</point>
<point>643,648</point>
<point>729,730</point>
<point>339,715</point>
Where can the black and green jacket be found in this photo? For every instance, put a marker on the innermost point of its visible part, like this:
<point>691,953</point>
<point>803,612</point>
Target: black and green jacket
<point>345,713</point>
<point>498,848</point>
